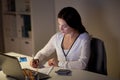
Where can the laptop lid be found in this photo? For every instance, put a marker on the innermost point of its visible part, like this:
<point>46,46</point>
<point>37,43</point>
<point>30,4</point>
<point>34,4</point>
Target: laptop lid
<point>11,67</point>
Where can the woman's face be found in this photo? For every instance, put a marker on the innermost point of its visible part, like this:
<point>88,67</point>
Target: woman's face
<point>64,27</point>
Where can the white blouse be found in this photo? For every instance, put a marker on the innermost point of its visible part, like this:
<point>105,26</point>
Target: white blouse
<point>77,57</point>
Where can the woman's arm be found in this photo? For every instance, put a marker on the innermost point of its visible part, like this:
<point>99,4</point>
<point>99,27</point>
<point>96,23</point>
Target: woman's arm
<point>46,51</point>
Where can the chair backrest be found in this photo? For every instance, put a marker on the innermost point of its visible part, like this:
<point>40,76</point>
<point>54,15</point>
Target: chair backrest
<point>97,62</point>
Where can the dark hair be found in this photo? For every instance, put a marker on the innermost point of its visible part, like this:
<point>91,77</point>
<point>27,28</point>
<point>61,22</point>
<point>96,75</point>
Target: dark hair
<point>72,18</point>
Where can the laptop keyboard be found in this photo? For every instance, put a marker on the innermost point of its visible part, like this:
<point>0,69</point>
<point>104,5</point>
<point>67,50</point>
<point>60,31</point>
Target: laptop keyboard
<point>34,75</point>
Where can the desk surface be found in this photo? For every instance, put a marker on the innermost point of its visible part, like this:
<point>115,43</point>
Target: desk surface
<point>76,74</point>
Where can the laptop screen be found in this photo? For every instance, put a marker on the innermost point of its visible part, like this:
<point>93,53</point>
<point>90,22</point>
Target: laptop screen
<point>11,67</point>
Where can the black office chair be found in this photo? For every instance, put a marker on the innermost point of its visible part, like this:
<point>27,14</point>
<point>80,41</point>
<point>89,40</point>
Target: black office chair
<point>97,62</point>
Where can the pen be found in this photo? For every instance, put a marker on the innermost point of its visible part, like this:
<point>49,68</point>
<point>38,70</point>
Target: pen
<point>33,56</point>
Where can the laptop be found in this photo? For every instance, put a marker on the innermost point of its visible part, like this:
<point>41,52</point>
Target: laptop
<point>11,67</point>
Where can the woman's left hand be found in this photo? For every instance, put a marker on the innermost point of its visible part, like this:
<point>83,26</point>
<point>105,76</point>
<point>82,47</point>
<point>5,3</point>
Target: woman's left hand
<point>53,62</point>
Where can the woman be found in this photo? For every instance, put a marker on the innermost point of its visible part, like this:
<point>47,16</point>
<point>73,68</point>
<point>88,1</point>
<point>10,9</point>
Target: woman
<point>72,43</point>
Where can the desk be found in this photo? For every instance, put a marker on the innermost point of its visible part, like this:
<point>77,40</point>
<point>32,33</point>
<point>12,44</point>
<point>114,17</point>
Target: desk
<point>79,75</point>
<point>76,74</point>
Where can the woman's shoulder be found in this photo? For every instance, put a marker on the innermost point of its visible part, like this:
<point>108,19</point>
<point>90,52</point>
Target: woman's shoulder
<point>85,35</point>
<point>59,35</point>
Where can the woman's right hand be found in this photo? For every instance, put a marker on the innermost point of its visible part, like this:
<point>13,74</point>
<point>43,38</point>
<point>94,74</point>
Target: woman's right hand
<point>34,63</point>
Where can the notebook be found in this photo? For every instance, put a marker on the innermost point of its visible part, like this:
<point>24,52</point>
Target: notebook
<point>11,67</point>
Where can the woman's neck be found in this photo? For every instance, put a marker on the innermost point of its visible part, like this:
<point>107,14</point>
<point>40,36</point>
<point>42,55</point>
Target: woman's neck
<point>69,40</point>
<point>72,35</point>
